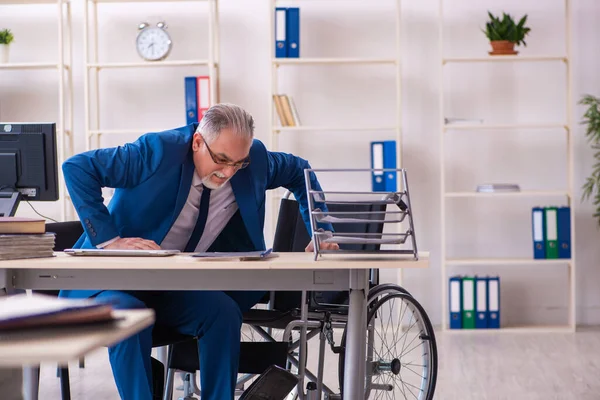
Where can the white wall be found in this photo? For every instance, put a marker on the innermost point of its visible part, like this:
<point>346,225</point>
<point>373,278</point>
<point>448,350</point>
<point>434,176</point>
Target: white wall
<point>153,99</point>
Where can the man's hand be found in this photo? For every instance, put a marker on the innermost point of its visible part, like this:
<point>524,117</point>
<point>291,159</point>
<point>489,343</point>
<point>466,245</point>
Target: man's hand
<point>324,246</point>
<point>133,244</point>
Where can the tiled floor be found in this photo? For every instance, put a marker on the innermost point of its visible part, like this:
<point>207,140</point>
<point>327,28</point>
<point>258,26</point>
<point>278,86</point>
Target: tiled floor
<point>511,366</point>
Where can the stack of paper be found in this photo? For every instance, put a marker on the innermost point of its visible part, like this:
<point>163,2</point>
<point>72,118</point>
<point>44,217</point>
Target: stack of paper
<point>20,246</point>
<point>24,238</point>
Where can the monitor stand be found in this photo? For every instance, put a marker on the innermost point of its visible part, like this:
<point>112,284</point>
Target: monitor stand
<point>9,201</point>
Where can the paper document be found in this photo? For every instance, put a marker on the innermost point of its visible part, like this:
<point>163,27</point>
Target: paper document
<point>244,255</point>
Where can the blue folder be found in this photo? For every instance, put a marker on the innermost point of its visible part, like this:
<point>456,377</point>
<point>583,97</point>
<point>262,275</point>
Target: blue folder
<point>191,103</point>
<point>538,230</point>
<point>494,302</point>
<point>281,44</point>
<point>383,156</point>
<point>481,303</point>
<point>563,216</point>
<point>293,32</point>
<point>455,302</point>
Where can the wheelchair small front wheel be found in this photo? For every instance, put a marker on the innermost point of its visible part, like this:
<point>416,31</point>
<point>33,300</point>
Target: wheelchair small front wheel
<point>401,350</point>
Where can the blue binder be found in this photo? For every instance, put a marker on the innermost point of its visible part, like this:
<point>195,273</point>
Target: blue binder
<point>494,302</point>
<point>563,216</point>
<point>293,32</point>
<point>481,303</point>
<point>191,103</point>
<point>455,302</point>
<point>281,44</point>
<point>383,156</point>
<point>538,229</point>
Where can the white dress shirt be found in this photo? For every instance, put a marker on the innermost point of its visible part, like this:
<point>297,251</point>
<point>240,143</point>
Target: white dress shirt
<point>222,207</point>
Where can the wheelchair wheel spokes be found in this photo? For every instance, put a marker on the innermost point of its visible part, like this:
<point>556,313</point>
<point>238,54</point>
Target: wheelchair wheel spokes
<point>401,351</point>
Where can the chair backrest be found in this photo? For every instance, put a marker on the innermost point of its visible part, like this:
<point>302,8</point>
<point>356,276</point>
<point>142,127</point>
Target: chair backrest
<point>67,233</point>
<point>291,235</point>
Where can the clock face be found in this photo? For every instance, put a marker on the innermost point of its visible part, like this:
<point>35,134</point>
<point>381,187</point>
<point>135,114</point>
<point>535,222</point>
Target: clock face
<point>153,44</point>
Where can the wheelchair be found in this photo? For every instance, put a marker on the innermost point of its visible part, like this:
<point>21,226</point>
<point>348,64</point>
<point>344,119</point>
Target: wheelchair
<point>401,348</point>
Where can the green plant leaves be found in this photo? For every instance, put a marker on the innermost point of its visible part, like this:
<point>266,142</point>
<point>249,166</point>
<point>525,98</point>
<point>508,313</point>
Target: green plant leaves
<point>591,118</point>
<point>6,36</point>
<point>506,28</point>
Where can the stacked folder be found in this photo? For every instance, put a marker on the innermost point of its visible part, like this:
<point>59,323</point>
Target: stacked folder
<point>474,302</point>
<point>287,32</point>
<point>551,232</point>
<point>197,98</point>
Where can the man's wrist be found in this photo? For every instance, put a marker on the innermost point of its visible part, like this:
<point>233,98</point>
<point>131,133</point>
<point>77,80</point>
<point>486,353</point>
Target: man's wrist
<point>108,242</point>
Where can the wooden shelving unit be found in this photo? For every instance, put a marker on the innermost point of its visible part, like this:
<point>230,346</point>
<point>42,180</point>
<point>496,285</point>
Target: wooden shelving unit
<point>62,65</point>
<point>393,61</point>
<point>93,66</point>
<point>446,131</point>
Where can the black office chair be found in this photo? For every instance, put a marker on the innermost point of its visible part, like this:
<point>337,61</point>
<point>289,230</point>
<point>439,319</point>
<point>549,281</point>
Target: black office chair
<point>66,235</point>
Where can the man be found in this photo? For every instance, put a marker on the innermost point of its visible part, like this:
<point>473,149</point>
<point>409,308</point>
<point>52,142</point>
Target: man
<point>196,188</point>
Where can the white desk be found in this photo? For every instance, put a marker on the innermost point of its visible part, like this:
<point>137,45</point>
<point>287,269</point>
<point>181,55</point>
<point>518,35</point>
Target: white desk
<point>64,344</point>
<point>289,271</point>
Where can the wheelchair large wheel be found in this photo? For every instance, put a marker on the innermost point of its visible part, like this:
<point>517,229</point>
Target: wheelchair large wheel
<point>401,349</point>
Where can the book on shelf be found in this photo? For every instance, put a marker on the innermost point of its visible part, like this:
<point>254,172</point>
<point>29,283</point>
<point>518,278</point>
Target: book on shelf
<point>286,110</point>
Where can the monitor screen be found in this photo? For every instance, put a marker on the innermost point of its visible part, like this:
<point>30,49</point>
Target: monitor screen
<point>28,161</point>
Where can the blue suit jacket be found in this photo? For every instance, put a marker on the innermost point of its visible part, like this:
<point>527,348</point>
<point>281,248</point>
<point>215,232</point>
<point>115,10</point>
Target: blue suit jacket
<point>152,177</point>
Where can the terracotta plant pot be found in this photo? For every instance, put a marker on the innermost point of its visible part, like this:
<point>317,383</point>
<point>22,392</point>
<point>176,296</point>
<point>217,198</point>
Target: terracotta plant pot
<point>502,47</point>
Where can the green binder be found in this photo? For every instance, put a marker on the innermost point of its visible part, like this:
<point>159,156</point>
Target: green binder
<point>551,237</point>
<point>468,302</point>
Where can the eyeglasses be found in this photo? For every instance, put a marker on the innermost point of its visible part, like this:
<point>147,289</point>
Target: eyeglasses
<point>221,161</point>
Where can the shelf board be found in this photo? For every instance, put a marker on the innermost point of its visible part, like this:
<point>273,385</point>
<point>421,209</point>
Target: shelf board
<point>120,131</point>
<point>527,193</point>
<point>505,261</point>
<point>514,329</point>
<point>332,128</point>
<point>23,2</point>
<point>302,61</point>
<point>144,1</point>
<point>149,64</point>
<point>477,127</point>
<point>502,59</point>
<point>31,65</point>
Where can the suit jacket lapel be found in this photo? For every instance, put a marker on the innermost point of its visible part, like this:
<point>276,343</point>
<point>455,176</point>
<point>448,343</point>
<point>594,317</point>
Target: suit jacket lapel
<point>185,183</point>
<point>243,190</point>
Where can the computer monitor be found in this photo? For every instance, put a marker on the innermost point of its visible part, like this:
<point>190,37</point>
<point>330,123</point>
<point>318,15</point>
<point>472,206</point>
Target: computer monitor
<point>28,164</point>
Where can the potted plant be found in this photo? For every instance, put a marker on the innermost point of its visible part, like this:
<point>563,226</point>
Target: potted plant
<point>591,187</point>
<point>504,33</point>
<point>6,37</point>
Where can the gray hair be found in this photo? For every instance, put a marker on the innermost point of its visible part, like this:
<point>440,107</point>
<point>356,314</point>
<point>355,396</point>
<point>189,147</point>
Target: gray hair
<point>224,115</point>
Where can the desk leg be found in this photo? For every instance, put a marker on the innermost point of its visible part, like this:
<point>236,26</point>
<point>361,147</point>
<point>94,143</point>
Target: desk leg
<point>354,368</point>
<point>30,383</point>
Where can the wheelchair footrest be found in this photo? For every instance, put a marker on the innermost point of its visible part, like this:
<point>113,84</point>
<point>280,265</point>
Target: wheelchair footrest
<point>273,384</point>
<point>257,357</point>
